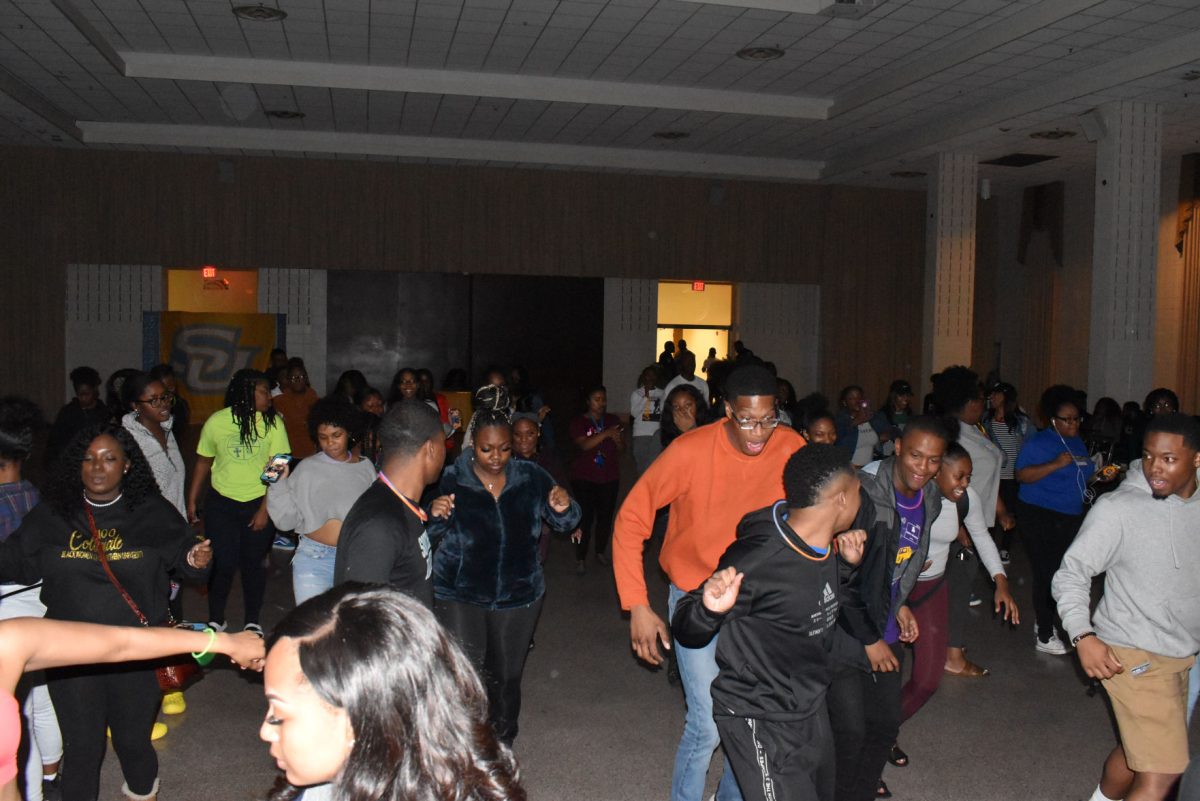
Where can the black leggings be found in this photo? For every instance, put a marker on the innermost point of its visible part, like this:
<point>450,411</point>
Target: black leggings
<point>597,505</point>
<point>86,700</point>
<point>497,642</point>
<point>864,712</point>
<point>1048,535</point>
<point>235,545</point>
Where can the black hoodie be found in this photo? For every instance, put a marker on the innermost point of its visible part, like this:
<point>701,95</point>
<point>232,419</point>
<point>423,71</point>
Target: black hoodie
<point>773,653</point>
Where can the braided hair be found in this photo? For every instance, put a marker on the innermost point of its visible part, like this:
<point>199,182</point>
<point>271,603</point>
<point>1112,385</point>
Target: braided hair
<point>493,407</point>
<point>65,490</point>
<point>239,397</point>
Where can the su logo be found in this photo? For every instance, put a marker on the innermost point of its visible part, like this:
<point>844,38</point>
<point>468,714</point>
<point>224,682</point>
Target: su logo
<point>207,355</point>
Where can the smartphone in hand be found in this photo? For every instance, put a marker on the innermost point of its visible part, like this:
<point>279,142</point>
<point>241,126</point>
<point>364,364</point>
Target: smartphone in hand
<point>271,474</point>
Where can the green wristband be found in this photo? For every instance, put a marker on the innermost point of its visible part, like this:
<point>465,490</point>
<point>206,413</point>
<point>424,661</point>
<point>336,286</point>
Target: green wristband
<point>206,656</point>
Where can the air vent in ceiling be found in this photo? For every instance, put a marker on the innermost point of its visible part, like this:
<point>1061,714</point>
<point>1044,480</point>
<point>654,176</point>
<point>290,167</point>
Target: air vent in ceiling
<point>1191,75</point>
<point>1019,160</point>
<point>259,13</point>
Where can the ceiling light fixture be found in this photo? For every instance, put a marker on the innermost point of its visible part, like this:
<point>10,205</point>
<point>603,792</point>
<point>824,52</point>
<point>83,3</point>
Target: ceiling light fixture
<point>908,174</point>
<point>285,114</point>
<point>760,53</point>
<point>259,13</point>
<point>670,136</point>
<point>1053,136</point>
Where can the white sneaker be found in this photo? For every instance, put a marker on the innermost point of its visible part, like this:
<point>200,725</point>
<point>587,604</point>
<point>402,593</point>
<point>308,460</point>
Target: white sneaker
<point>1055,646</point>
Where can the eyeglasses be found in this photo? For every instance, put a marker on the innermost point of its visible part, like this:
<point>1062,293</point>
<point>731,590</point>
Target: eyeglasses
<point>767,423</point>
<point>159,401</point>
<point>1069,420</point>
<point>298,377</point>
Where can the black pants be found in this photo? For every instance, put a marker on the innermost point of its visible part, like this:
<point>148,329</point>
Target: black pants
<point>780,760</point>
<point>597,504</point>
<point>1048,534</point>
<point>86,700</point>
<point>1009,487</point>
<point>497,642</point>
<point>235,546</point>
<point>960,578</point>
<point>864,712</point>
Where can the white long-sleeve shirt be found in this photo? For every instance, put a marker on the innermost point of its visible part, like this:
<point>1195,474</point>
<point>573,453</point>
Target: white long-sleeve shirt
<point>945,530</point>
<point>165,463</point>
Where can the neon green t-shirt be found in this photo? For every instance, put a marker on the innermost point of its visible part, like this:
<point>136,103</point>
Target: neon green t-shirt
<point>237,468</point>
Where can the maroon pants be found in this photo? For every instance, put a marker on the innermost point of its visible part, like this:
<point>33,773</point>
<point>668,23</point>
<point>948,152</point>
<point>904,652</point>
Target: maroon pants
<point>929,604</point>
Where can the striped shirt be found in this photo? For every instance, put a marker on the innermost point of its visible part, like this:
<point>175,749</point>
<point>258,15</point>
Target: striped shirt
<point>1009,442</point>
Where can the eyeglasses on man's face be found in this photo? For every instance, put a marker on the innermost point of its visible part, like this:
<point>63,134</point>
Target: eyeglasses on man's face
<point>746,424</point>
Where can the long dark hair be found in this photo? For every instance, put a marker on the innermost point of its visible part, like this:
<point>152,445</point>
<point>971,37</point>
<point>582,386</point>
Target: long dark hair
<point>65,489</point>
<point>239,397</point>
<point>415,703</point>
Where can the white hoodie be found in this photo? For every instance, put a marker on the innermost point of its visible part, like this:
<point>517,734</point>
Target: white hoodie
<point>1150,550</point>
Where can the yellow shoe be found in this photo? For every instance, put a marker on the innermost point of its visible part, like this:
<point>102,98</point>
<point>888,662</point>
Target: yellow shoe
<point>159,731</point>
<point>173,704</point>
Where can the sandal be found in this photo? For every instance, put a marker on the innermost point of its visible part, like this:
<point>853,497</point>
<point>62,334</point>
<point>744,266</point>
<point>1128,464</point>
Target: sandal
<point>970,670</point>
<point>897,757</point>
<point>882,791</point>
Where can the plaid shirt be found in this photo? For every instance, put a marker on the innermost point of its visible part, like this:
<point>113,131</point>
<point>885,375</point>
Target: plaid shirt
<point>16,499</point>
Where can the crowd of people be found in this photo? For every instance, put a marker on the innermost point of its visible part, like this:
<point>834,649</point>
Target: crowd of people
<point>810,552</point>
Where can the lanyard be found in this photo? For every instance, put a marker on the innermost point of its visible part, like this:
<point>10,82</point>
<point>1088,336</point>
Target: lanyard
<point>412,507</point>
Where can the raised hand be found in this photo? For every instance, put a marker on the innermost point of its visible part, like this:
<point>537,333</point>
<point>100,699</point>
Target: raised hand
<point>559,500</point>
<point>442,507</point>
<point>851,545</point>
<point>721,590</point>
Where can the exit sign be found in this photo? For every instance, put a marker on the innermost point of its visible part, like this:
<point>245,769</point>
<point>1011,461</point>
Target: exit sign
<point>697,286</point>
<point>209,272</point>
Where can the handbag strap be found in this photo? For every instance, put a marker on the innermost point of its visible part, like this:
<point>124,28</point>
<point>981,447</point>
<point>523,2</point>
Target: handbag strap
<point>108,570</point>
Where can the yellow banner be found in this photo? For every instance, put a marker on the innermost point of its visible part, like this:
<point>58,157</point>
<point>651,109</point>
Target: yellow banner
<point>207,349</point>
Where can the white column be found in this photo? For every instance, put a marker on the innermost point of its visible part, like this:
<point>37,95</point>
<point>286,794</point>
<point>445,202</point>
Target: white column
<point>630,325</point>
<point>949,263</point>
<point>1125,251</point>
<point>299,294</point>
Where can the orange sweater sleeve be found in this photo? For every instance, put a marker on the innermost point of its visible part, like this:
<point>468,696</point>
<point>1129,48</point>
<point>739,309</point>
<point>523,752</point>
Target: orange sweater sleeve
<point>665,479</point>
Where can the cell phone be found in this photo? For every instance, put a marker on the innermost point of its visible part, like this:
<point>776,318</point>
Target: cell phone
<point>271,474</point>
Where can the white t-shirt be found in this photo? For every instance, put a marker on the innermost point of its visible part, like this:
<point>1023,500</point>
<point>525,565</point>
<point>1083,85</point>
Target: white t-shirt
<point>646,411</point>
<point>697,382</point>
<point>865,449</point>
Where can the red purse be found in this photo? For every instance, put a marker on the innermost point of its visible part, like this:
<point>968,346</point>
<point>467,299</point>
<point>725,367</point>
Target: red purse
<point>172,674</point>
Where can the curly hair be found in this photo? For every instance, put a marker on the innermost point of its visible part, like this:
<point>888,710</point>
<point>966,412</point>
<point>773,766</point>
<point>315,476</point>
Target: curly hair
<point>239,397</point>
<point>414,701</point>
<point>65,487</point>
<point>20,418</point>
<point>1054,398</point>
<point>336,411</point>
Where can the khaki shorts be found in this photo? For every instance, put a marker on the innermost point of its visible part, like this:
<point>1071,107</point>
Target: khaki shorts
<point>1151,709</point>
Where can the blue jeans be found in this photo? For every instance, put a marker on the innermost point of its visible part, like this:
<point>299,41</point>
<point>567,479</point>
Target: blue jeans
<point>1193,690</point>
<point>312,569</point>
<point>697,669</point>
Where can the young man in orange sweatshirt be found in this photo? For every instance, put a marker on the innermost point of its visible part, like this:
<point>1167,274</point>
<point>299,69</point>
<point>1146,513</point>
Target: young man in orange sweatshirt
<point>710,477</point>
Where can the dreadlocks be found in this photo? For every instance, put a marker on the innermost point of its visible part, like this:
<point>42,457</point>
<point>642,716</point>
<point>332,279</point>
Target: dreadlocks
<point>239,397</point>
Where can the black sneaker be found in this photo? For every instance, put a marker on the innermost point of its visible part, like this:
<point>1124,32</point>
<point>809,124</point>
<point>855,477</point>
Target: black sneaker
<point>52,789</point>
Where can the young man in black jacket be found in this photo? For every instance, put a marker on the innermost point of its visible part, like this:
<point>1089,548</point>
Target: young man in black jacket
<point>774,597</point>
<point>899,505</point>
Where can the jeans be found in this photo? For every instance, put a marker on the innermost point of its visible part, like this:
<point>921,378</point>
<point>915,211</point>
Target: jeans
<point>235,546</point>
<point>312,569</point>
<point>697,669</point>
<point>497,643</point>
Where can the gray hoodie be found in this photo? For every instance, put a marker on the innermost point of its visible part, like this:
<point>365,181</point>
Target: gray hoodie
<point>1150,550</point>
